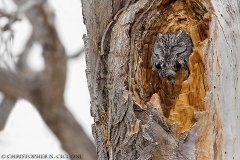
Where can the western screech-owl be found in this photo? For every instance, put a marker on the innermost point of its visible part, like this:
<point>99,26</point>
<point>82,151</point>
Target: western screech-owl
<point>170,53</point>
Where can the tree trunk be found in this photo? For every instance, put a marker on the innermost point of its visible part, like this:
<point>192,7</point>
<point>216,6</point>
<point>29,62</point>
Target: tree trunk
<point>140,114</point>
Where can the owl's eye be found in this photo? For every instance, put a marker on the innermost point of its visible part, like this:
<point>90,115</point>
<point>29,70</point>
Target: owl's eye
<point>157,51</point>
<point>158,66</point>
<point>177,65</point>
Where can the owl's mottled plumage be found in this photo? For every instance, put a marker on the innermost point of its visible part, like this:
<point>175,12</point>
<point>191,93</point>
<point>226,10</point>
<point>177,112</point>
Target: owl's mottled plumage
<point>170,53</point>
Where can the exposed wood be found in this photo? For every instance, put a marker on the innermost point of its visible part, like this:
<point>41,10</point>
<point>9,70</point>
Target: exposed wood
<point>222,63</point>
<point>139,115</point>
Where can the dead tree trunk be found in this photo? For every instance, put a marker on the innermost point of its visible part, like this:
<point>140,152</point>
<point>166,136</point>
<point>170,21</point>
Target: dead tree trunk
<point>138,112</point>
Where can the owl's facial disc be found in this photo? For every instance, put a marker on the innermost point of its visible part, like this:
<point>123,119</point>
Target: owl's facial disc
<point>170,53</point>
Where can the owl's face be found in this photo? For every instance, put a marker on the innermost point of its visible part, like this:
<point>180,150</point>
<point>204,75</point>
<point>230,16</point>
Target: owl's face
<point>170,53</point>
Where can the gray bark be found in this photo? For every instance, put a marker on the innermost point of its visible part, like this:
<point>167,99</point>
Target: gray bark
<point>139,115</point>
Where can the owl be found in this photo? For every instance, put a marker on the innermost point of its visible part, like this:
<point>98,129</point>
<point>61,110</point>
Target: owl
<point>170,53</point>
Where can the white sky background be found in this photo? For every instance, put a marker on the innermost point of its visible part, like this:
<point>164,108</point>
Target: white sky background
<point>25,131</point>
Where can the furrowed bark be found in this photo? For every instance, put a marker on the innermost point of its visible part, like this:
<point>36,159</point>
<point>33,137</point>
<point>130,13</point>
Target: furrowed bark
<point>139,115</point>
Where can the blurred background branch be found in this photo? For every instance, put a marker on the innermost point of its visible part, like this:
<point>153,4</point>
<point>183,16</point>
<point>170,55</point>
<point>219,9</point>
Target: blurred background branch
<point>44,89</point>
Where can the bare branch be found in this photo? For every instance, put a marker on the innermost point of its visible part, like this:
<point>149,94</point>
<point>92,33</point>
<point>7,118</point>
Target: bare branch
<point>9,15</point>
<point>26,4</point>
<point>48,98</point>
<point>8,103</point>
<point>45,89</point>
<point>5,109</point>
<point>68,131</point>
<point>76,55</point>
<point>15,85</point>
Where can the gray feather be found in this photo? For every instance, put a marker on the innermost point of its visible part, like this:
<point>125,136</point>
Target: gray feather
<point>170,53</point>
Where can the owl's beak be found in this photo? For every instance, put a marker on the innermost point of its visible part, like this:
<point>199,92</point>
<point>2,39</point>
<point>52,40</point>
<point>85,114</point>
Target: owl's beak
<point>172,80</point>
